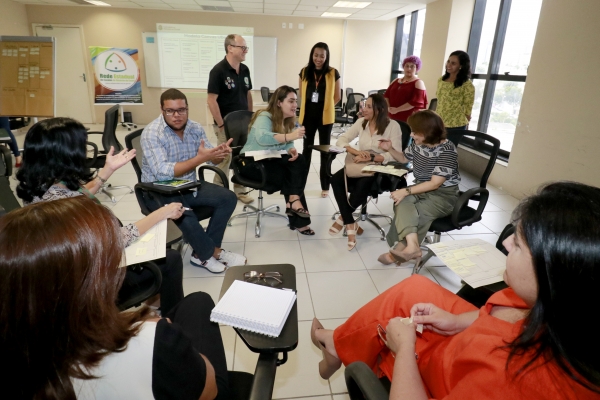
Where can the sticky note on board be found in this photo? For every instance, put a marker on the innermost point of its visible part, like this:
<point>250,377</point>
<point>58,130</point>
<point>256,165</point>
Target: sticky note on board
<point>141,251</point>
<point>147,237</point>
<point>459,255</point>
<point>467,263</point>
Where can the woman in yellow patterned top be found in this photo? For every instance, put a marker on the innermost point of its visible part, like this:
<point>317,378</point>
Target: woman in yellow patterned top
<point>455,92</point>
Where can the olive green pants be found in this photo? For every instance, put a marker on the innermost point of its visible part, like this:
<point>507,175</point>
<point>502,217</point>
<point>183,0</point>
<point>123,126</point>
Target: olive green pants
<point>415,213</point>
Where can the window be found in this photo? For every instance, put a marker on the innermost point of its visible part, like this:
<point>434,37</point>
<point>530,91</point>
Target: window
<point>500,44</point>
<point>408,41</point>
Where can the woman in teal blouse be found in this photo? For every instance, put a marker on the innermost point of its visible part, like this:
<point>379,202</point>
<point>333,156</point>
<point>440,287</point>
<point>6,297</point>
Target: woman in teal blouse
<point>275,129</point>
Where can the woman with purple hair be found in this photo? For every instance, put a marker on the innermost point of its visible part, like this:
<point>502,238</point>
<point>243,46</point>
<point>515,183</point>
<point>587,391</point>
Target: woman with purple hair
<point>405,96</point>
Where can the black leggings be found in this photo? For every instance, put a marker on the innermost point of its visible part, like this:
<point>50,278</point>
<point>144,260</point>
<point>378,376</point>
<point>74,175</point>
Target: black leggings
<point>359,189</point>
<point>311,125</point>
<point>193,315</point>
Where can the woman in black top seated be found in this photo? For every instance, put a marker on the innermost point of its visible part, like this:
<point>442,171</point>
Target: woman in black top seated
<point>54,167</point>
<point>62,332</point>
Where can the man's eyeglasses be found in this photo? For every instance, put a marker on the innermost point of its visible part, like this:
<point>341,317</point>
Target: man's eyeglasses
<point>244,48</point>
<point>180,111</point>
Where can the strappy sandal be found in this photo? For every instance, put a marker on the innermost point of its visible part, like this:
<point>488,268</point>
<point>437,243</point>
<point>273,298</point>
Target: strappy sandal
<point>334,230</point>
<point>329,364</point>
<point>300,212</point>
<point>400,258</point>
<point>352,244</point>
<point>390,258</point>
<point>308,232</point>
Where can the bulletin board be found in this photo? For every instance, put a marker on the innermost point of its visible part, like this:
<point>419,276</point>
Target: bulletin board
<point>27,76</point>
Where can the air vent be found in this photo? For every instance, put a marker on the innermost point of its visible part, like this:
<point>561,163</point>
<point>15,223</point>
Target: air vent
<point>217,8</point>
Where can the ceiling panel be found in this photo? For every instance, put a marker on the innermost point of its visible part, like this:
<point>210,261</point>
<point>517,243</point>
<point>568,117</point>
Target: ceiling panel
<point>377,10</point>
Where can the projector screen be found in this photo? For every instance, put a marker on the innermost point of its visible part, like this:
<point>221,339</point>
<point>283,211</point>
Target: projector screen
<point>187,53</point>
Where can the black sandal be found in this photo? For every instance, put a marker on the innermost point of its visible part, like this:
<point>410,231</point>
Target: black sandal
<point>308,232</point>
<point>300,212</point>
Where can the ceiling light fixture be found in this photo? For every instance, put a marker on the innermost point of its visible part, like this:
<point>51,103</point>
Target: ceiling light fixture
<point>97,3</point>
<point>335,15</point>
<point>352,4</point>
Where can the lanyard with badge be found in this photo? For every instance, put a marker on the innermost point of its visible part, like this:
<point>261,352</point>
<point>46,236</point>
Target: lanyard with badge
<point>315,95</point>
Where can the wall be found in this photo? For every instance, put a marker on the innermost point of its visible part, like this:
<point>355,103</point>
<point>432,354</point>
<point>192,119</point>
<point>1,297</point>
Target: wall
<point>13,19</point>
<point>123,27</point>
<point>447,28</point>
<point>368,59</point>
<point>557,134</point>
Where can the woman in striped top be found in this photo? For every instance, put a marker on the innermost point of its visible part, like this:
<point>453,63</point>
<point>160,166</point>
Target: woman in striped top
<point>435,169</point>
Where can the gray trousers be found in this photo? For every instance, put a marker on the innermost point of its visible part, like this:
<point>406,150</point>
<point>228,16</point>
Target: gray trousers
<point>415,213</point>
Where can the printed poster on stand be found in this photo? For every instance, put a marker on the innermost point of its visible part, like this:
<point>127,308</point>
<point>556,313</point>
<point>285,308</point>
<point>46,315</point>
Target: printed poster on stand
<point>116,75</point>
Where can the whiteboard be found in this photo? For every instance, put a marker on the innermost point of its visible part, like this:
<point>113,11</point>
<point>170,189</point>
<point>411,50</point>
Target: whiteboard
<point>265,61</point>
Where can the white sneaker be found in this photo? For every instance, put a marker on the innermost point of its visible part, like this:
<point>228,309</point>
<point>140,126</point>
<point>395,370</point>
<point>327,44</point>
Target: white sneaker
<point>231,259</point>
<point>212,265</point>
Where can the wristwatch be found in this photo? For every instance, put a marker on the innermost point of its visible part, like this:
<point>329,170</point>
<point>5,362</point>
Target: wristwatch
<point>373,157</point>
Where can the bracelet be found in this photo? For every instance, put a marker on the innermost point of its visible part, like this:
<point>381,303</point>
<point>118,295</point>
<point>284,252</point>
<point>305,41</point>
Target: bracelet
<point>101,179</point>
<point>408,190</point>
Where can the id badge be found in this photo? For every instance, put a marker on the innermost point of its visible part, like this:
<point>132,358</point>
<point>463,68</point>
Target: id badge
<point>315,97</point>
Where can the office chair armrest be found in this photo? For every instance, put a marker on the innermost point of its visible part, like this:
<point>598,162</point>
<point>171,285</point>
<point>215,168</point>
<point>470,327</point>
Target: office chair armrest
<point>95,133</point>
<point>264,377</point>
<point>221,174</point>
<point>324,148</point>
<point>479,194</point>
<point>138,298</point>
<point>94,146</point>
<point>362,383</point>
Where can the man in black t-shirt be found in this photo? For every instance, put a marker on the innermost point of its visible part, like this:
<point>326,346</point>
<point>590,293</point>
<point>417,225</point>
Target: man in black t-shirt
<point>229,88</point>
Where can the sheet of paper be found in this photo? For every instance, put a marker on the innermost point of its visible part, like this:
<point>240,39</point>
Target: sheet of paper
<point>385,169</point>
<point>476,261</point>
<point>151,246</point>
<point>262,154</point>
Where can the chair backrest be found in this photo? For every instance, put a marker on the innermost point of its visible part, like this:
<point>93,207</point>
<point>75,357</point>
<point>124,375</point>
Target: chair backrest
<point>382,91</point>
<point>109,137</point>
<point>236,127</point>
<point>433,104</point>
<point>352,102</point>
<point>8,200</point>
<point>370,92</point>
<point>339,103</point>
<point>134,141</point>
<point>349,91</point>
<point>482,173</point>
<point>405,128</point>
<point>264,92</point>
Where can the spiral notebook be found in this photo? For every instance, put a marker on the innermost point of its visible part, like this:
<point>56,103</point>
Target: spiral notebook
<point>254,308</point>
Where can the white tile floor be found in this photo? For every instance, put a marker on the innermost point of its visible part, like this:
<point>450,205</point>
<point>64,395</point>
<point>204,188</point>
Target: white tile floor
<point>332,282</point>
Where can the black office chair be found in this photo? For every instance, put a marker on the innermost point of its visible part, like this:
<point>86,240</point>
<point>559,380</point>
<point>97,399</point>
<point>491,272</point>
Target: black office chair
<point>463,215</point>
<point>349,91</point>
<point>349,116</point>
<point>382,91</point>
<point>236,128</point>
<point>109,138</point>
<point>265,94</point>
<point>142,190</point>
<point>433,105</point>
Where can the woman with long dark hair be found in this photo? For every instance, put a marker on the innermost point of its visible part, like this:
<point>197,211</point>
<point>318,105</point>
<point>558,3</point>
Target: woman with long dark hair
<point>406,95</point>
<point>455,92</point>
<point>54,167</point>
<point>62,332</point>
<point>351,192</point>
<point>274,128</point>
<point>319,91</point>
<point>525,343</point>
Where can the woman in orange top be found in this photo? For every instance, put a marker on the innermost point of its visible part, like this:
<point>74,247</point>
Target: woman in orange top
<point>529,341</point>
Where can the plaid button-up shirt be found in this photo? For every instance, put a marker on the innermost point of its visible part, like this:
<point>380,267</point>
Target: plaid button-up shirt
<point>163,149</point>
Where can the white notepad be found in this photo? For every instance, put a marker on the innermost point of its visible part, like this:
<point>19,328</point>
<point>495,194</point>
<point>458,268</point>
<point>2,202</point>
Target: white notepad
<point>254,308</point>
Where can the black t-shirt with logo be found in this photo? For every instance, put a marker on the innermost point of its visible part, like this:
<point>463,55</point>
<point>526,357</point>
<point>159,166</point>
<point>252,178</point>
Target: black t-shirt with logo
<point>231,88</point>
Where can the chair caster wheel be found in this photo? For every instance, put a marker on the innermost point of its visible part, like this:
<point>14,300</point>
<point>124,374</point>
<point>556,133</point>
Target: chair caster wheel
<point>257,236</point>
<point>278,209</point>
<point>245,208</point>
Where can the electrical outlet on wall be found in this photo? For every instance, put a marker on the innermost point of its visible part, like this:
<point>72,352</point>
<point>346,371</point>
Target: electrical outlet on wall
<point>283,25</point>
<point>300,26</point>
<point>291,25</point>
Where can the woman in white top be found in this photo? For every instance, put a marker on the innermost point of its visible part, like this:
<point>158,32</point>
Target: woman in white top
<point>61,331</point>
<point>370,130</point>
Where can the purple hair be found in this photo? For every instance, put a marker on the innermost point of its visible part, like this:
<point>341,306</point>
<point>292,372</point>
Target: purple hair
<point>412,59</point>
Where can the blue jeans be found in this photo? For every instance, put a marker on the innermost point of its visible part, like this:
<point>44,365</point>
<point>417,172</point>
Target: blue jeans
<point>5,124</point>
<point>222,201</point>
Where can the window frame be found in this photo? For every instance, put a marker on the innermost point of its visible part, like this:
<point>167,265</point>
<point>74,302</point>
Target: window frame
<point>493,74</point>
<point>410,47</point>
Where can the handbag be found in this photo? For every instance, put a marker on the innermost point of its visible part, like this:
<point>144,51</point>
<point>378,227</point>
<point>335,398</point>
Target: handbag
<point>354,170</point>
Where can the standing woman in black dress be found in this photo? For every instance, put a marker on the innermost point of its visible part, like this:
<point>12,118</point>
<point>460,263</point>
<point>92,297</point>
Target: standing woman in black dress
<point>319,91</point>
